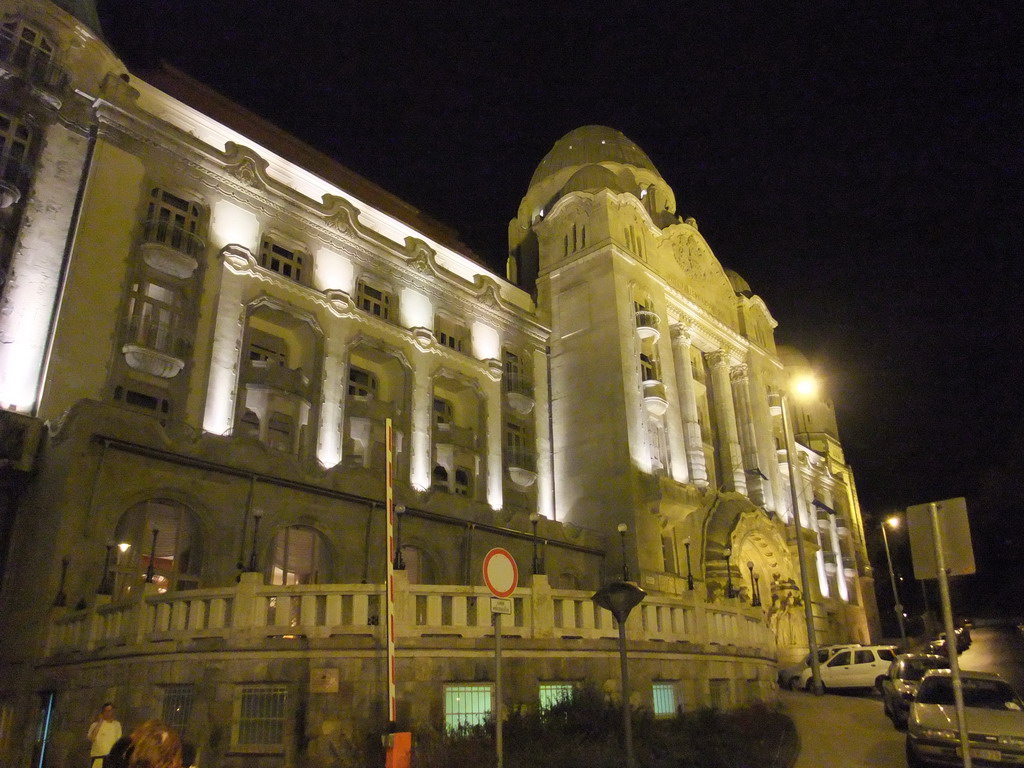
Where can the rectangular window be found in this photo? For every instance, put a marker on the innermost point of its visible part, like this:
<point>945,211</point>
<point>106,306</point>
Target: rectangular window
<point>361,384</point>
<point>449,333</point>
<point>720,697</point>
<point>668,554</point>
<point>177,706</point>
<point>259,722</point>
<point>664,699</point>
<point>467,705</point>
<point>553,694</point>
<point>462,481</point>
<point>284,261</point>
<point>444,414</point>
<point>373,300</point>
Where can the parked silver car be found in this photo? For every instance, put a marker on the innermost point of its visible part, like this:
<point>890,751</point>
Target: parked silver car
<point>899,686</point>
<point>995,721</point>
<point>858,667</point>
<point>789,677</point>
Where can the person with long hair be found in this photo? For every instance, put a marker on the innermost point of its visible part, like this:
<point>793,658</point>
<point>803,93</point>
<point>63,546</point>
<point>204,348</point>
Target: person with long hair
<point>153,745</point>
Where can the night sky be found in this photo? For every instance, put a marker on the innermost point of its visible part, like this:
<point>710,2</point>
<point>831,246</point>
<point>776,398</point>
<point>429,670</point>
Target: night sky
<point>860,164</point>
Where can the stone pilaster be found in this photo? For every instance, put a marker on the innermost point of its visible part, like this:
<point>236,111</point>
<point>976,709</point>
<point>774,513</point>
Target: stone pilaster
<point>740,377</point>
<point>692,440</point>
<point>732,478</point>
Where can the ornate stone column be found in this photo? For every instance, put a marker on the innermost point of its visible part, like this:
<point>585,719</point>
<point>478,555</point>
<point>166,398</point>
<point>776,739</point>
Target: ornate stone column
<point>740,377</point>
<point>692,441</point>
<point>733,478</point>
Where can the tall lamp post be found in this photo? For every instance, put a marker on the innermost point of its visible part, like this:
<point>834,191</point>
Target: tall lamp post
<point>538,568</point>
<point>894,522</point>
<point>620,597</point>
<point>621,528</point>
<point>689,571</point>
<point>728,571</point>
<point>755,599</point>
<point>805,581</point>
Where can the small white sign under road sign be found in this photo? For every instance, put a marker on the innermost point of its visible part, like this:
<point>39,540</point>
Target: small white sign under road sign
<point>501,605</point>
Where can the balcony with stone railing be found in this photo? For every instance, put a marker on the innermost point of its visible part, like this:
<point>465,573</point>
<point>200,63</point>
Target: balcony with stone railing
<point>647,324</point>
<point>272,375</point>
<point>655,399</point>
<point>159,349</point>
<point>252,616</point>
<point>457,438</point>
<point>522,465</point>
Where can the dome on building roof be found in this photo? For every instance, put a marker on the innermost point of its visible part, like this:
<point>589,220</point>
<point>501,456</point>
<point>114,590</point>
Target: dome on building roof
<point>739,285</point>
<point>84,11</point>
<point>591,144</point>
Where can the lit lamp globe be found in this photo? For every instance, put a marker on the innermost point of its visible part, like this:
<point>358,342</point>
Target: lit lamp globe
<point>619,597</point>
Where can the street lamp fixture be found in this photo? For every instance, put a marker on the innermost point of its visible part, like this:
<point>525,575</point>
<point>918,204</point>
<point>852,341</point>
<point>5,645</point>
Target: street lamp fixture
<point>754,598</point>
<point>804,386</point>
<point>152,558</point>
<point>538,567</point>
<point>253,561</point>
<point>894,522</point>
<point>621,528</point>
<point>728,571</point>
<point>689,571</point>
<point>399,560</point>
<point>621,597</point>
<point>105,587</point>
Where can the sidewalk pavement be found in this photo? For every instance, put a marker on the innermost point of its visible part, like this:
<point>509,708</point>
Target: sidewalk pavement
<point>843,731</point>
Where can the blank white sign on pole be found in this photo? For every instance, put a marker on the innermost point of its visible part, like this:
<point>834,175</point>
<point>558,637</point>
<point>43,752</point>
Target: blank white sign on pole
<point>955,529</point>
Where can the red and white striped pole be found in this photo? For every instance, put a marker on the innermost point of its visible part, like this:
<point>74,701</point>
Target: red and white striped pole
<point>390,581</point>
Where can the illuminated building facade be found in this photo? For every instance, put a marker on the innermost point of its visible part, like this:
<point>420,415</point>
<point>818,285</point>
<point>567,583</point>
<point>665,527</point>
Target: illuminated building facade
<point>205,327</point>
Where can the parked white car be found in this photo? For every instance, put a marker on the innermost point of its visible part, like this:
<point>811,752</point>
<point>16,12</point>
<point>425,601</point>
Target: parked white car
<point>862,667</point>
<point>995,721</point>
<point>789,677</point>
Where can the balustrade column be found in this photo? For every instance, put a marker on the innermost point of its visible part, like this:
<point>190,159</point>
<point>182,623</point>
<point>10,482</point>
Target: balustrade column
<point>692,439</point>
<point>740,377</point>
<point>733,478</point>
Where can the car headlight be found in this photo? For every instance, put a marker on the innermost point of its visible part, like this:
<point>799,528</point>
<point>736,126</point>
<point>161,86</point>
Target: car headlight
<point>1017,742</point>
<point>937,734</point>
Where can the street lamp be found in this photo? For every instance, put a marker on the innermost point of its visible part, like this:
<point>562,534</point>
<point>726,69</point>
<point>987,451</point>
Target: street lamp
<point>728,571</point>
<point>399,560</point>
<point>620,597</point>
<point>754,599</point>
<point>538,568</point>
<point>621,528</point>
<point>689,572</point>
<point>106,588</point>
<point>253,564</point>
<point>804,386</point>
<point>894,522</point>
<point>152,558</point>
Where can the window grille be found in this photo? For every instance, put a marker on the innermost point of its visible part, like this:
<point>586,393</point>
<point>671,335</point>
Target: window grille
<point>177,706</point>
<point>664,699</point>
<point>467,705</point>
<point>553,694</point>
<point>260,717</point>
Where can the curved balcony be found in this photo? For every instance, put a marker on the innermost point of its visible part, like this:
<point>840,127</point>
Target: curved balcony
<point>519,393</point>
<point>263,373</point>
<point>155,348</point>
<point>849,567</point>
<point>369,408</point>
<point>655,400</point>
<point>171,248</point>
<point>459,438</point>
<point>647,324</point>
<point>13,181</point>
<point>40,71</point>
<point>522,466</point>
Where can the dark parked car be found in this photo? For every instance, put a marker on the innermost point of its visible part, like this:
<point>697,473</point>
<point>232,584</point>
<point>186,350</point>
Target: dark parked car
<point>899,686</point>
<point>963,641</point>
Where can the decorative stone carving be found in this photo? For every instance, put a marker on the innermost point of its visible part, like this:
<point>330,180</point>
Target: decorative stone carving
<point>246,165</point>
<point>339,213</point>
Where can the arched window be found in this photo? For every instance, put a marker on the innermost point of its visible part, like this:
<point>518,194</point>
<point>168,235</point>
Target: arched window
<point>418,566</point>
<point>300,556</point>
<point>27,49</point>
<point>173,554</point>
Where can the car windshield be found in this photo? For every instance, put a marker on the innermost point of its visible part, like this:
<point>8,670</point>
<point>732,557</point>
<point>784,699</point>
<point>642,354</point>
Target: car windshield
<point>982,694</point>
<point>914,669</point>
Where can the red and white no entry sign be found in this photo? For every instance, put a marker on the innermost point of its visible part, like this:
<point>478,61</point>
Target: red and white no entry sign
<point>501,574</point>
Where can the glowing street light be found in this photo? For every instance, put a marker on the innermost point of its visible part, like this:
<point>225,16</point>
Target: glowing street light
<point>894,523</point>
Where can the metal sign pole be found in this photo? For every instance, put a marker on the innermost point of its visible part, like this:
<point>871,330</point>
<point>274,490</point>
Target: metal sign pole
<point>951,650</point>
<point>497,690</point>
<point>389,625</point>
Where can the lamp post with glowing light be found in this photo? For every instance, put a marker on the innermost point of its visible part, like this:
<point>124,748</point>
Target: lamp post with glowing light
<point>755,600</point>
<point>728,571</point>
<point>689,571</point>
<point>894,522</point>
<point>803,387</point>
<point>621,528</point>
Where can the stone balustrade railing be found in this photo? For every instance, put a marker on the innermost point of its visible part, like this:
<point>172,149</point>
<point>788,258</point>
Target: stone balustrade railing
<point>251,612</point>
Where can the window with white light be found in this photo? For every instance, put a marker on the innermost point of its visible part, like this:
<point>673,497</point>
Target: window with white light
<point>299,556</point>
<point>467,705</point>
<point>664,695</point>
<point>553,694</point>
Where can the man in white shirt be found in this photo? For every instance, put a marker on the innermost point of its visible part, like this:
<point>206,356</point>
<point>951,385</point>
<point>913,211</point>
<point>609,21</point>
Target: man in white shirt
<point>103,732</point>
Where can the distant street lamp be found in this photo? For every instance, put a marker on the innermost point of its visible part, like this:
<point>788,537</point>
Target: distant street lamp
<point>754,599</point>
<point>620,597</point>
<point>537,566</point>
<point>689,571</point>
<point>803,387</point>
<point>757,589</point>
<point>894,522</point>
<point>106,587</point>
<point>621,528</point>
